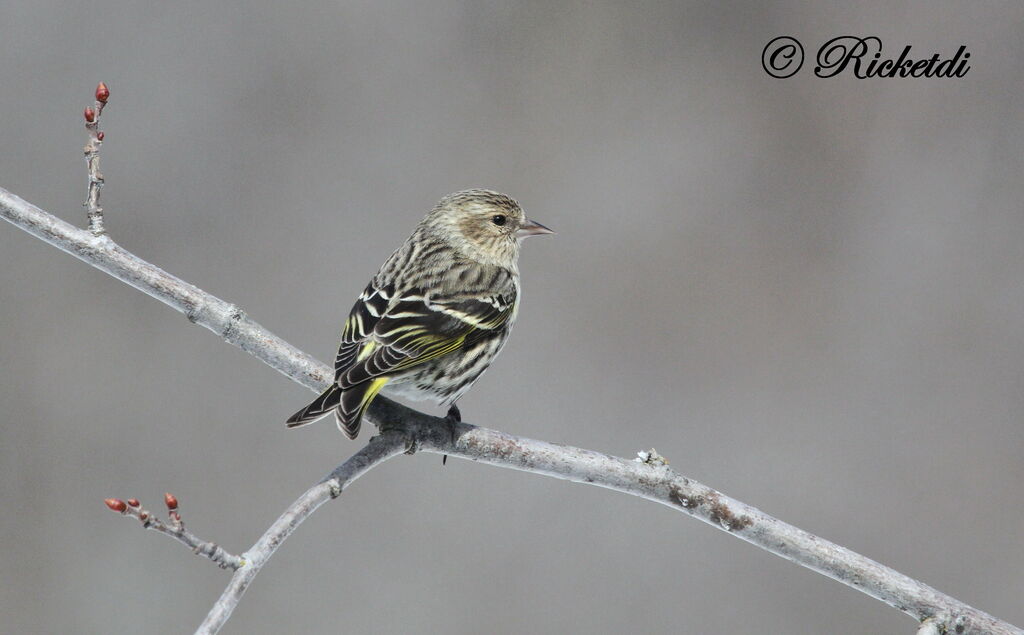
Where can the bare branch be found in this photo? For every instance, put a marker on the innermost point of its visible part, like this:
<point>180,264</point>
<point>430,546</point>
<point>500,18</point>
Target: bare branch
<point>650,480</point>
<point>226,320</point>
<point>379,449</point>
<point>175,528</point>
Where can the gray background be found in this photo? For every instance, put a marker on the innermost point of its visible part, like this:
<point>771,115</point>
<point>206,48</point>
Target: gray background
<point>806,293</point>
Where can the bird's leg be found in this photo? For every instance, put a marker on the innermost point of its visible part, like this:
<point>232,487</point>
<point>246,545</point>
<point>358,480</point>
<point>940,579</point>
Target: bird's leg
<point>453,418</point>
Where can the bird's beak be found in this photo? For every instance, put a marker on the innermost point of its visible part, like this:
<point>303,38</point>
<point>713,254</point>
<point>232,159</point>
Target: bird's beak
<point>532,228</point>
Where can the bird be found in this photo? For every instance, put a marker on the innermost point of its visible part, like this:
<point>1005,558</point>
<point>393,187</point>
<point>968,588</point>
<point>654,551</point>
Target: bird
<point>436,314</point>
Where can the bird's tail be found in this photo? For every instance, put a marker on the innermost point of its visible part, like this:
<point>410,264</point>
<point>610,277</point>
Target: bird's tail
<point>348,406</point>
<point>320,408</point>
<point>354,402</point>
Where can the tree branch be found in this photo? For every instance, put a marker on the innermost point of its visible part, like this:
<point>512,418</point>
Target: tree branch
<point>404,428</point>
<point>379,449</point>
<point>226,320</point>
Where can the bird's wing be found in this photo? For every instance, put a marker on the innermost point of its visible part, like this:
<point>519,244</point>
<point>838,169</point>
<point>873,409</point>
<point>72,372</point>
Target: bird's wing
<point>389,332</point>
<point>416,329</point>
<point>362,320</point>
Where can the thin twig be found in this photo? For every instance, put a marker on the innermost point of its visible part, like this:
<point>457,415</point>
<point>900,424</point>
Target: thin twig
<point>92,160</point>
<point>175,528</point>
<point>651,481</point>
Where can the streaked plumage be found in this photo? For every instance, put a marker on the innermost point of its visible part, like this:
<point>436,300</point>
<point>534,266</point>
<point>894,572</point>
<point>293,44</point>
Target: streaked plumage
<point>436,314</point>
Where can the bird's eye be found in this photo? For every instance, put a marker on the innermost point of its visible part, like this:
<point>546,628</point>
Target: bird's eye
<point>498,219</point>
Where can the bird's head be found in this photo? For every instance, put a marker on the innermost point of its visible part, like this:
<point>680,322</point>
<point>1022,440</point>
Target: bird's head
<point>485,226</point>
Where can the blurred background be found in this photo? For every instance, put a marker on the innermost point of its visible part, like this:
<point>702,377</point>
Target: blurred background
<point>806,293</point>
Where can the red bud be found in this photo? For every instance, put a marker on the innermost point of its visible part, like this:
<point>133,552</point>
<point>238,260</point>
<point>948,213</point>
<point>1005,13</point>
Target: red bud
<point>99,136</point>
<point>171,501</point>
<point>90,115</point>
<point>116,504</point>
<point>144,516</point>
<point>102,93</point>
<point>134,502</point>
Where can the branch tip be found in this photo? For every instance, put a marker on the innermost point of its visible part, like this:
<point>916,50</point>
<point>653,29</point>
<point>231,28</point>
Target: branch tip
<point>116,504</point>
<point>174,528</point>
<point>92,160</point>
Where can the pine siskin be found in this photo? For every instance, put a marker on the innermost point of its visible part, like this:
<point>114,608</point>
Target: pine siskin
<point>436,314</point>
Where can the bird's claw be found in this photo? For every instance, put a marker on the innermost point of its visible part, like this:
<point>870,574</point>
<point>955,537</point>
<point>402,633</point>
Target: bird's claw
<point>411,446</point>
<point>453,419</point>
